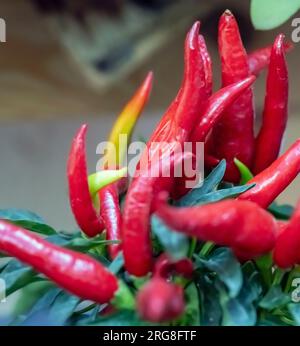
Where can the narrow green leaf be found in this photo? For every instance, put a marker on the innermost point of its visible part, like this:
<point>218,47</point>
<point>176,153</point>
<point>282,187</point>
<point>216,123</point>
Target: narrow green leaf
<point>219,195</point>
<point>176,244</point>
<point>245,172</point>
<point>26,219</point>
<point>209,184</point>
<point>117,264</point>
<point>62,308</point>
<point>274,298</point>
<point>269,14</point>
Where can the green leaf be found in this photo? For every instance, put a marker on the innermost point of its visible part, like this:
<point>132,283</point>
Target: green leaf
<point>281,212</point>
<point>274,299</point>
<point>126,318</point>
<point>62,308</point>
<point>268,14</point>
<point>26,219</point>
<point>117,264</point>
<point>220,195</point>
<point>210,308</point>
<point>245,172</point>
<point>294,310</point>
<point>209,184</point>
<point>176,244</point>
<point>191,315</point>
<point>225,265</point>
<point>16,275</point>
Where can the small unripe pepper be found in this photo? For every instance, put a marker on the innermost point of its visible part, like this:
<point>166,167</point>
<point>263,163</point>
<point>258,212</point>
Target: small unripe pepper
<point>241,225</point>
<point>287,248</point>
<point>73,271</point>
<point>160,301</point>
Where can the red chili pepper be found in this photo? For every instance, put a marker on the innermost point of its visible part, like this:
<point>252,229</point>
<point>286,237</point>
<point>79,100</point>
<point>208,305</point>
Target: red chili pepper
<point>243,226</point>
<point>274,179</point>
<point>275,112</point>
<point>207,64</point>
<point>213,111</point>
<point>81,202</point>
<point>216,105</point>
<point>111,215</point>
<point>233,135</point>
<point>287,248</point>
<point>175,127</point>
<point>75,272</point>
<point>160,301</point>
<point>260,58</point>
<point>165,266</point>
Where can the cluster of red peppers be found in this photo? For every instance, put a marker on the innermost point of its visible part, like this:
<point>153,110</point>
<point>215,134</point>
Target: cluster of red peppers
<point>224,120</point>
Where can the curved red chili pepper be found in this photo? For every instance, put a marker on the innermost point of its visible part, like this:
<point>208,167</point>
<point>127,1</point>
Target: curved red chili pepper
<point>274,179</point>
<point>75,272</point>
<point>241,225</point>
<point>80,199</point>
<point>165,266</point>
<point>160,301</point>
<point>275,112</point>
<point>175,127</point>
<point>260,58</point>
<point>111,215</point>
<point>233,135</point>
<point>216,105</point>
<point>287,248</point>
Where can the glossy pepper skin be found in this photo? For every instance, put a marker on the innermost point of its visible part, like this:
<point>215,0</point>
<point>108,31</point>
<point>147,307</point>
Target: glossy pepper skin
<point>233,135</point>
<point>109,195</point>
<point>274,179</point>
<point>213,111</point>
<point>260,58</point>
<point>216,105</point>
<point>207,65</point>
<point>160,301</point>
<point>175,125</point>
<point>287,248</point>
<point>75,272</point>
<point>81,202</point>
<point>275,112</point>
<point>111,216</point>
<point>243,226</point>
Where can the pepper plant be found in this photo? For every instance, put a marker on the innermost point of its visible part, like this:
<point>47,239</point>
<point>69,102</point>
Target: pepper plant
<point>221,253</point>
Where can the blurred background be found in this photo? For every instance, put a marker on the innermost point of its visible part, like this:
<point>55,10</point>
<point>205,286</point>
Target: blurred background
<point>66,62</point>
